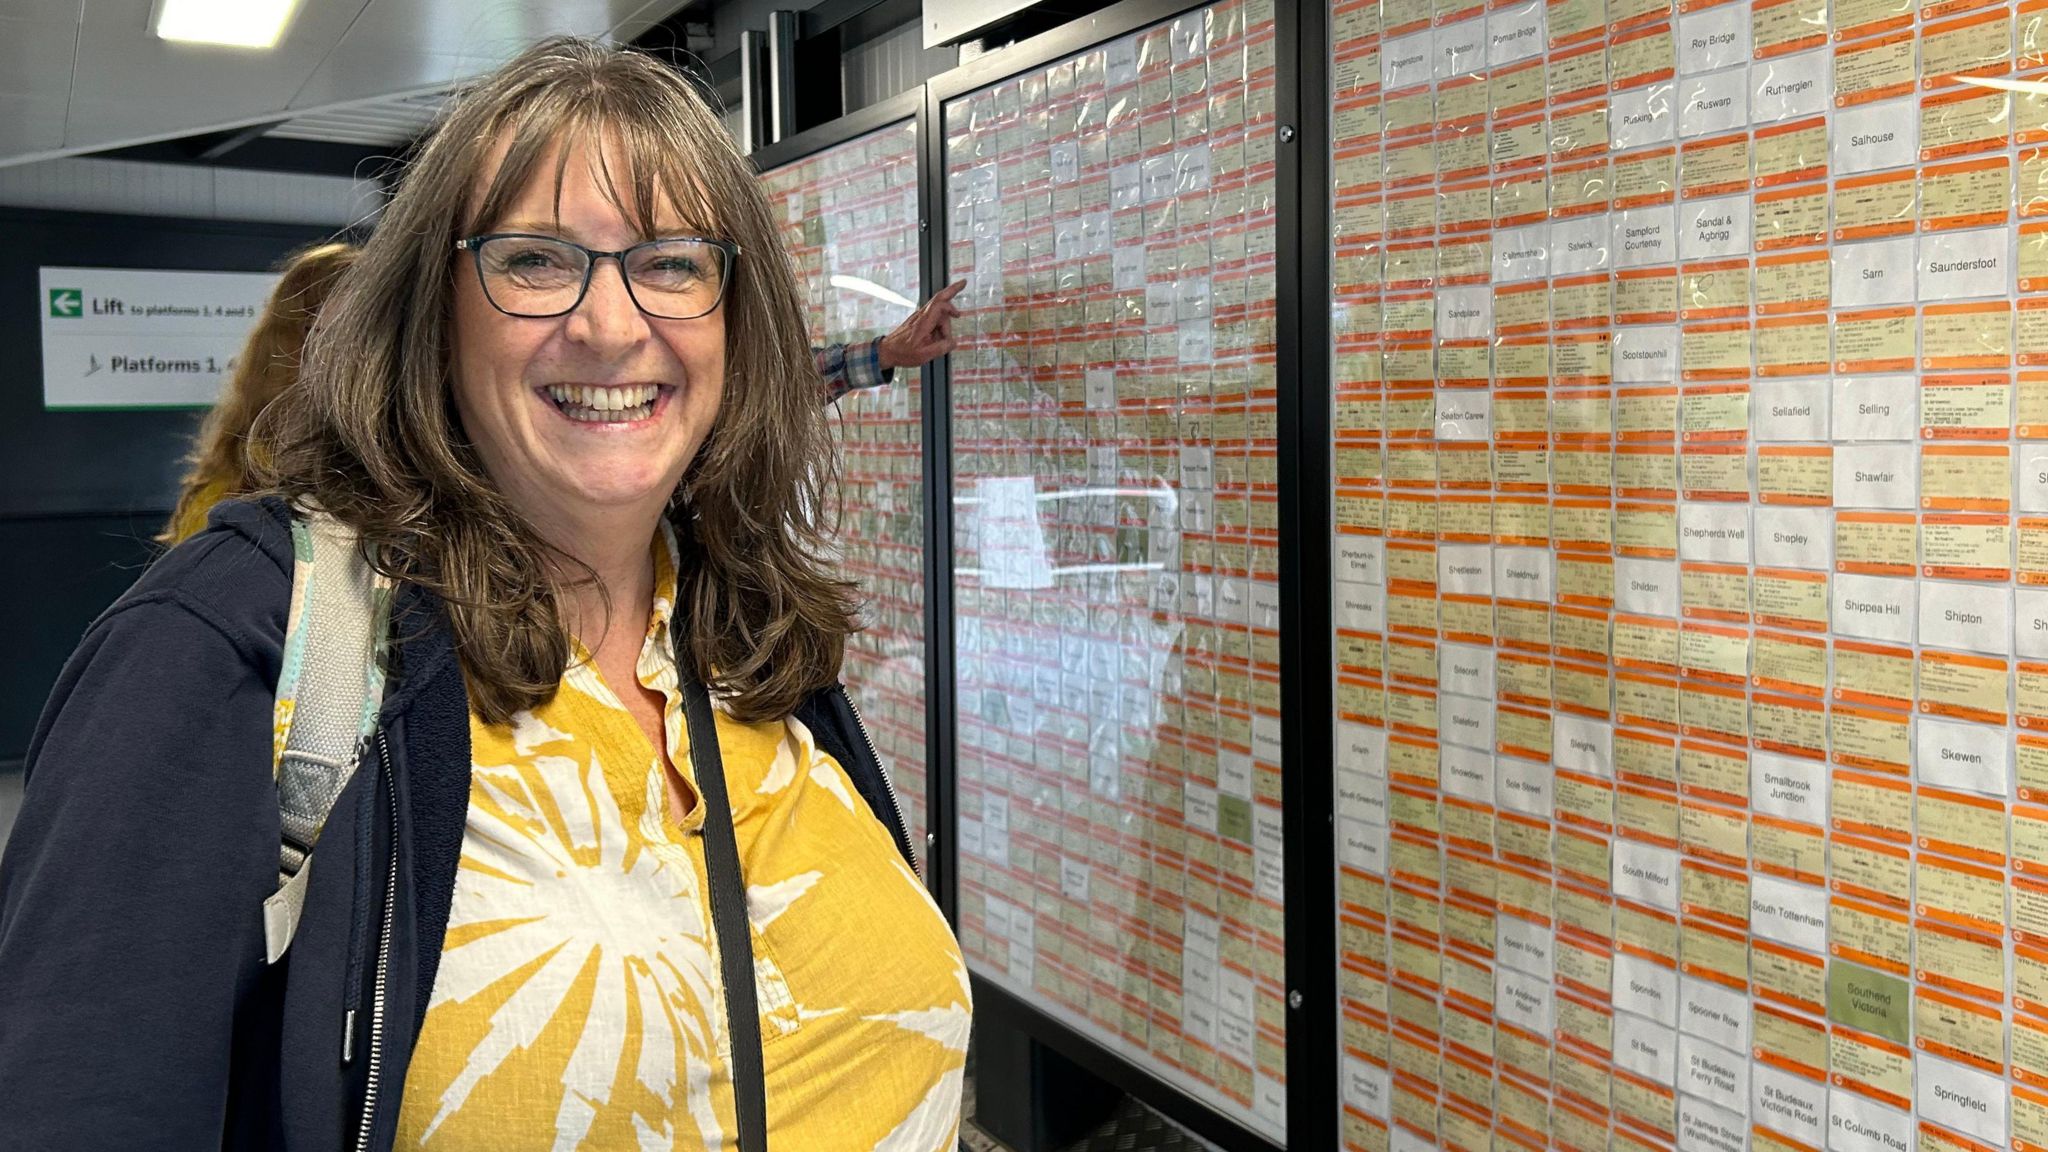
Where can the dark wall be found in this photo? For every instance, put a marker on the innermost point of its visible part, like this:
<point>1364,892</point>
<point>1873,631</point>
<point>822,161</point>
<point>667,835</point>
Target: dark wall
<point>81,493</point>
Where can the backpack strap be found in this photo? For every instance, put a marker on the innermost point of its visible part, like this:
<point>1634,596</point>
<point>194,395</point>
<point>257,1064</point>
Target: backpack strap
<point>328,695</point>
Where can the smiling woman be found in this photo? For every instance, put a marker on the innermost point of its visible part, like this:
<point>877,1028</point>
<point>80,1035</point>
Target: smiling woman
<point>563,406</point>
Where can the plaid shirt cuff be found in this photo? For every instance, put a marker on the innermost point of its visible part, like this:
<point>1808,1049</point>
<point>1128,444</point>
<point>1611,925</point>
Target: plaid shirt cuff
<point>851,367</point>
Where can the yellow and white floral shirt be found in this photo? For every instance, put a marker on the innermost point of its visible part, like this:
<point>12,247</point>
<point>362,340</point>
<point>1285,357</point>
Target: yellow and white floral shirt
<point>578,1004</point>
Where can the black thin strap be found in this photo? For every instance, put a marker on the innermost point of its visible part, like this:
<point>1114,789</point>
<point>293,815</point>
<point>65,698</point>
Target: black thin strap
<point>729,920</point>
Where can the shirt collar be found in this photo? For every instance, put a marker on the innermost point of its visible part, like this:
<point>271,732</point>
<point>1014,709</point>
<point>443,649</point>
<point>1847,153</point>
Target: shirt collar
<point>666,562</point>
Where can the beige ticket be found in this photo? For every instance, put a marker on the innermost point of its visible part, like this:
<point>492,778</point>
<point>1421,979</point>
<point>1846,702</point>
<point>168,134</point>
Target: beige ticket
<point>1958,961</point>
<point>1714,592</point>
<point>1787,848</point>
<point>1510,90</point>
<point>1716,351</point>
<point>1795,475</point>
<point>1792,345</point>
<point>1718,289</point>
<point>1787,218</point>
<point>1788,976</point>
<point>1717,833</point>
<point>1870,870</point>
<point>1787,153</point>
<point>1791,598</point>
<point>1713,710</point>
<point>1715,166</point>
<point>1976,407</point>
<point>1871,935</point>
<point>1969,45</point>
<point>1716,413</point>
<point>1880,204</point>
<point>1583,690</point>
<point>1869,805</point>
<point>1874,69</point>
<point>1855,19</point>
<point>1966,477</point>
<point>1790,724</point>
<point>1876,340</point>
<point>1585,580</point>
<point>1647,470</point>
<point>1644,178</point>
<point>1790,663</point>
<point>1522,360</point>
<point>1578,300</point>
<point>1965,686</point>
<point>1879,1066</point>
<point>1642,641</point>
<point>1793,281</point>
<point>1646,413</point>
<point>1960,546</point>
<point>1870,738</point>
<point>1586,468</point>
<point>1876,543</point>
<point>1647,700</point>
<point>1966,895</point>
<point>1714,471</point>
<point>1646,529</point>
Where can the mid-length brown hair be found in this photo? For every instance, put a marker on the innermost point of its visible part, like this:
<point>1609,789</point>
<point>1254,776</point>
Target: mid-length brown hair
<point>372,434</point>
<point>218,466</point>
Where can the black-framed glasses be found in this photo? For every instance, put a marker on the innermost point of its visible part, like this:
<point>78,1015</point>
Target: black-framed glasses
<point>534,276</point>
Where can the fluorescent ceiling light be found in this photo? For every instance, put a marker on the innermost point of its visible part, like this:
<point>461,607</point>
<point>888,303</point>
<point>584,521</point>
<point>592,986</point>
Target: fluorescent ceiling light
<point>237,23</point>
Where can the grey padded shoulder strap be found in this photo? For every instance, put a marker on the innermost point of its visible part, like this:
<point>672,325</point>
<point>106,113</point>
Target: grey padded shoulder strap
<point>329,689</point>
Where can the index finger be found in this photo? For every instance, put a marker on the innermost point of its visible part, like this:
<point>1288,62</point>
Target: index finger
<point>947,293</point>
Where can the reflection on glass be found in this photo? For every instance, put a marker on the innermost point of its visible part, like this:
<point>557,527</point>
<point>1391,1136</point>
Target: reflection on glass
<point>1116,549</point>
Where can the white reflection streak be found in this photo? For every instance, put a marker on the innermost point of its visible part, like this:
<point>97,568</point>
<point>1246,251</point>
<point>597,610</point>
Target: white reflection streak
<point>1078,569</point>
<point>870,288</point>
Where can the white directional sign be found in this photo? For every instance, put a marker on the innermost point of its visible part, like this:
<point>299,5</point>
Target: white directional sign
<point>140,338</point>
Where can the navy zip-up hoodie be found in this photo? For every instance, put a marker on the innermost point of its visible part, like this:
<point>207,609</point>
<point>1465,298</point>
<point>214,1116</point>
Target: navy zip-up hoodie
<point>136,1010</point>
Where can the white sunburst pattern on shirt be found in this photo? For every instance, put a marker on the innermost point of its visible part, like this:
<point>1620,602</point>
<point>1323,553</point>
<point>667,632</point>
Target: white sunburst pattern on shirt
<point>934,1122</point>
<point>549,835</point>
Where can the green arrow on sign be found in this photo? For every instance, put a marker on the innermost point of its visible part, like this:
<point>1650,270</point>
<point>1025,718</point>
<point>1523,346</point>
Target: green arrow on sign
<point>66,301</point>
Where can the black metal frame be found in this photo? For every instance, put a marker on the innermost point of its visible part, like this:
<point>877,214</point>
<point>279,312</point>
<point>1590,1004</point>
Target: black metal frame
<point>810,142</point>
<point>1307,641</point>
<point>1302,267</point>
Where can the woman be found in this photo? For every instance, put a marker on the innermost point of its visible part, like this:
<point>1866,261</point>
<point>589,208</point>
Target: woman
<point>588,481</point>
<point>219,464</point>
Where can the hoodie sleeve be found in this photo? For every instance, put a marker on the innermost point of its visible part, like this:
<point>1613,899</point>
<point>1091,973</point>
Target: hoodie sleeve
<point>132,887</point>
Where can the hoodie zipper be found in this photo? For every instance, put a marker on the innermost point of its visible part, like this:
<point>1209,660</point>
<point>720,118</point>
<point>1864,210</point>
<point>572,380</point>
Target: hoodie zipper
<point>889,785</point>
<point>378,991</point>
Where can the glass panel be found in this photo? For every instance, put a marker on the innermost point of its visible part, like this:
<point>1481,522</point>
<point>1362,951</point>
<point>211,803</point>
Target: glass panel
<point>850,220</point>
<point>1685,392</point>
<point>1116,549</point>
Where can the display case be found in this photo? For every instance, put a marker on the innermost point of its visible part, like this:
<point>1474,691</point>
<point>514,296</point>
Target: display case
<point>849,210</point>
<point>1115,551</point>
<point>1687,447</point>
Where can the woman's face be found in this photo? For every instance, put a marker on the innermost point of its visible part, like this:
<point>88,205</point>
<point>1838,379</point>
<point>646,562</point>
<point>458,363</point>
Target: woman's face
<point>565,454</point>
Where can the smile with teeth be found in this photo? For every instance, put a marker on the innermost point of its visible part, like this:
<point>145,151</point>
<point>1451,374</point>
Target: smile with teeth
<point>594,405</point>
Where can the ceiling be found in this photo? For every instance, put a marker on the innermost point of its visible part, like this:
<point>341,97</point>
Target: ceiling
<point>87,76</point>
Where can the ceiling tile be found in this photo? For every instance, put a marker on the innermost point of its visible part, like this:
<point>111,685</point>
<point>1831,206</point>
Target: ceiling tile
<point>127,86</point>
<point>410,44</point>
<point>30,124</point>
<point>35,56</point>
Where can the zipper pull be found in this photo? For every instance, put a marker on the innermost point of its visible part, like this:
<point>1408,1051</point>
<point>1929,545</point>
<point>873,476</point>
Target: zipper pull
<point>348,1038</point>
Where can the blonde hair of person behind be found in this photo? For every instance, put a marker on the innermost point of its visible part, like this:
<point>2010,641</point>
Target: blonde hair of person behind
<point>218,466</point>
<point>371,434</point>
